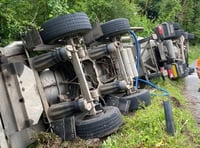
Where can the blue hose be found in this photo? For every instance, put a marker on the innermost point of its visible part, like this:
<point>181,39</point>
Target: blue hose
<point>166,93</point>
<point>137,56</point>
<point>137,49</point>
<point>137,79</point>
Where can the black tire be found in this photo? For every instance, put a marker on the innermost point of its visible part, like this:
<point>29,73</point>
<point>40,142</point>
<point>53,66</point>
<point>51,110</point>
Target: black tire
<point>115,27</point>
<point>100,125</point>
<point>178,33</point>
<point>65,128</point>
<point>169,117</point>
<point>176,26</point>
<point>190,36</point>
<point>191,70</point>
<point>65,26</point>
<point>185,34</point>
<point>142,97</point>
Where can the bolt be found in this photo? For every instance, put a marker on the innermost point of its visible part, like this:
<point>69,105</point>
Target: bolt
<point>23,89</point>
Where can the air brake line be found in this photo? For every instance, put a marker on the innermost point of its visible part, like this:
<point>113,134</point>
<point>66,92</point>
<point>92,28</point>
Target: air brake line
<point>137,79</point>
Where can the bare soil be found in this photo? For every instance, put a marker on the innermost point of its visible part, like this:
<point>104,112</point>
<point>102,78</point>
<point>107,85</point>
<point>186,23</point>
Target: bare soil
<point>193,104</point>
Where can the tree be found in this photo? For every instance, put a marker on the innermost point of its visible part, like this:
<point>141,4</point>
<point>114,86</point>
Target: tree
<point>196,22</point>
<point>16,15</point>
<point>148,8</point>
<point>168,10</point>
<point>104,10</point>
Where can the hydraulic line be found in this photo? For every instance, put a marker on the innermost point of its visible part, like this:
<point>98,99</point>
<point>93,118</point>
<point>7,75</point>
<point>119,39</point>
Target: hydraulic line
<point>166,93</point>
<point>137,55</point>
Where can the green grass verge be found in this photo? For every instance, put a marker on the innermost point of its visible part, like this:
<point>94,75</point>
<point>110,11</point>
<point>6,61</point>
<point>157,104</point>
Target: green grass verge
<point>194,53</point>
<point>146,128</point>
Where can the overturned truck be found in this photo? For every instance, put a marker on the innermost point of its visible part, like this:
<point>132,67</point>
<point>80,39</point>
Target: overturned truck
<point>68,79</point>
<point>165,53</point>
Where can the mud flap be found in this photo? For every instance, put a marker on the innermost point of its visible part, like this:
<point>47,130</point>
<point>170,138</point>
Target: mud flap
<point>123,105</point>
<point>65,128</point>
<point>131,102</point>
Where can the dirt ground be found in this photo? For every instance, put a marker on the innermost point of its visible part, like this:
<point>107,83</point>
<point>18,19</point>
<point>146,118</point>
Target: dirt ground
<point>194,105</point>
<point>191,93</point>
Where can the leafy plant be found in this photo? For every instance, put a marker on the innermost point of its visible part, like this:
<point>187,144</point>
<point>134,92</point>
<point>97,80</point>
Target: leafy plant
<point>16,15</point>
<point>194,53</point>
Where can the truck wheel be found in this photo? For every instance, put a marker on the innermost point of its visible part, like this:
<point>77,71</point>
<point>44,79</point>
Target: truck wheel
<point>191,70</point>
<point>99,125</point>
<point>178,33</point>
<point>176,26</point>
<point>138,99</point>
<point>64,26</point>
<point>190,36</point>
<point>115,27</point>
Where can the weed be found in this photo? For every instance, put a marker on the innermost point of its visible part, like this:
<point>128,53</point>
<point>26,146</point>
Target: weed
<point>194,53</point>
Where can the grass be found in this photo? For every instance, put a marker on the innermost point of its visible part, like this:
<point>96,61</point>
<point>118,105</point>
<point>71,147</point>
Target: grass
<point>147,127</point>
<point>194,53</point>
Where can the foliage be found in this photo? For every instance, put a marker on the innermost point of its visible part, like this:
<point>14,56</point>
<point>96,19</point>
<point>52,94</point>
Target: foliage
<point>168,10</point>
<point>15,15</point>
<point>44,139</point>
<point>10,22</point>
<point>142,21</point>
<point>186,12</point>
<point>148,8</point>
<point>103,10</point>
<point>194,53</point>
<point>51,140</point>
<point>58,7</point>
<point>159,10</point>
